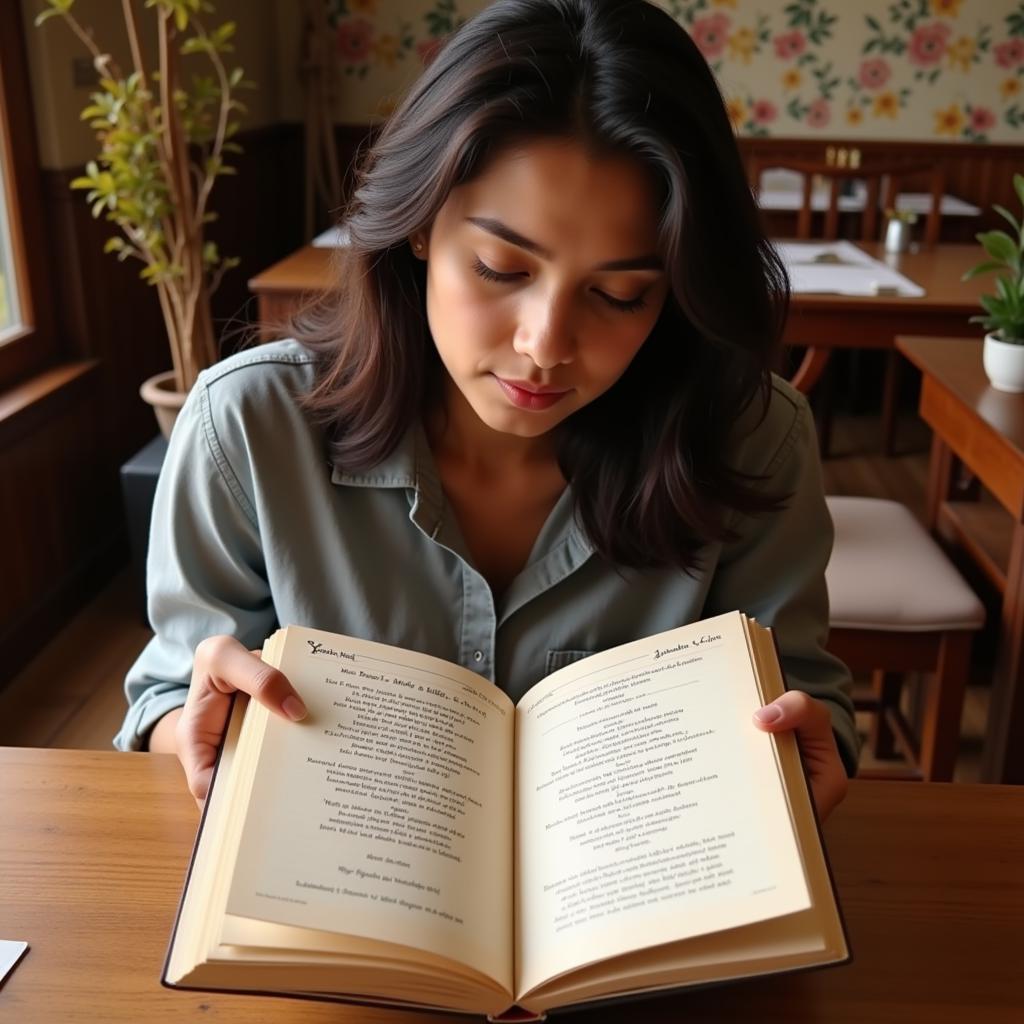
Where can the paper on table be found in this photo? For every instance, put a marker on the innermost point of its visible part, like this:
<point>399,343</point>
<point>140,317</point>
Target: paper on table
<point>11,951</point>
<point>332,238</point>
<point>843,269</point>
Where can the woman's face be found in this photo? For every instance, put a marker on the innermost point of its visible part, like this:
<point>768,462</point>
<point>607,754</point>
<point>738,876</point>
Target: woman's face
<point>543,281</point>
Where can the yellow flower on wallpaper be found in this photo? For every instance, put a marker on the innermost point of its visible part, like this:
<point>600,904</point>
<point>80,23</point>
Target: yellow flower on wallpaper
<point>1010,87</point>
<point>385,49</point>
<point>946,8</point>
<point>792,79</point>
<point>737,111</point>
<point>742,44</point>
<point>886,104</point>
<point>961,53</point>
<point>854,116</point>
<point>949,121</point>
<point>363,6</point>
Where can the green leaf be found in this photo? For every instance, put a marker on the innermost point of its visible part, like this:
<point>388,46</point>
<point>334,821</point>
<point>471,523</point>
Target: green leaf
<point>195,44</point>
<point>1018,184</point>
<point>46,16</point>
<point>1000,246</point>
<point>982,268</point>
<point>115,244</point>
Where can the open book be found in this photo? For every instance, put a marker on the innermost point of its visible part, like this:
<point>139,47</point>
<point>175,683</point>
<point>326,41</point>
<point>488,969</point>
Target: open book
<point>418,840</point>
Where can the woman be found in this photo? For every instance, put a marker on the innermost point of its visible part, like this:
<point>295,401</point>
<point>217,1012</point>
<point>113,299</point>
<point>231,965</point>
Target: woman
<point>534,421</point>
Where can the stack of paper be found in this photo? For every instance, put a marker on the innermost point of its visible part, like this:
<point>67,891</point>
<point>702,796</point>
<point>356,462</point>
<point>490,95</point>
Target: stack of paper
<point>840,268</point>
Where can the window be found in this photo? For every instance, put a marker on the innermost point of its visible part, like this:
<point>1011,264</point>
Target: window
<point>10,298</point>
<point>27,336</point>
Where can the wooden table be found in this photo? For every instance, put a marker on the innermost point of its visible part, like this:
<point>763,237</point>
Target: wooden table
<point>983,429</point>
<point>94,845</point>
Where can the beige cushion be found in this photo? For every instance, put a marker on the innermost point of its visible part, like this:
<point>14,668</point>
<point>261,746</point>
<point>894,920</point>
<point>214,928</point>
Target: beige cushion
<point>887,573</point>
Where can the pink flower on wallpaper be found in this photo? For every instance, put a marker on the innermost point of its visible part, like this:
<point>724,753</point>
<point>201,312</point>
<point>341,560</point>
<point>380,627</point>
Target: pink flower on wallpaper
<point>763,112</point>
<point>355,40</point>
<point>710,34</point>
<point>928,44</point>
<point>429,49</point>
<point>1010,53</point>
<point>790,45</point>
<point>982,120</point>
<point>818,113</point>
<point>874,73</point>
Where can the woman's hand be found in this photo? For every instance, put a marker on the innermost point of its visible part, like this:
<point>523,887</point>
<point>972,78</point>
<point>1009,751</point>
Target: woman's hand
<point>221,667</point>
<point>813,725</point>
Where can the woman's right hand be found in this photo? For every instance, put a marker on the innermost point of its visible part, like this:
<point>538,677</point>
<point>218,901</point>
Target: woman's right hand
<point>221,667</point>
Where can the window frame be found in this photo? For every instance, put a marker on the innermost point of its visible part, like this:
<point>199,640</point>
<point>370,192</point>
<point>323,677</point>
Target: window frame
<point>34,347</point>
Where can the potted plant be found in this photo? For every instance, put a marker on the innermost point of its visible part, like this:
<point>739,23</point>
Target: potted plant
<point>1003,354</point>
<point>162,147</point>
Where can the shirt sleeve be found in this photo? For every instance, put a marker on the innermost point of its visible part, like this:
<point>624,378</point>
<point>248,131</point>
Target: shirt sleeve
<point>775,573</point>
<point>205,570</point>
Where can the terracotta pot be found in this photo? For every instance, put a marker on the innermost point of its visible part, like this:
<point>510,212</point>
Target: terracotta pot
<point>159,392</point>
<point>1004,364</point>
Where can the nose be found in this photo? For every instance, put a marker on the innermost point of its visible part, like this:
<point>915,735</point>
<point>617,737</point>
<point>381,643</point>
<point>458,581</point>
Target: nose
<point>546,331</point>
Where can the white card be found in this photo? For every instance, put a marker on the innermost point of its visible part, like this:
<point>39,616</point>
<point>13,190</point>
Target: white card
<point>10,953</point>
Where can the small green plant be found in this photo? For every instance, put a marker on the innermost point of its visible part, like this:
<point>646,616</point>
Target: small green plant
<point>162,146</point>
<point>1004,311</point>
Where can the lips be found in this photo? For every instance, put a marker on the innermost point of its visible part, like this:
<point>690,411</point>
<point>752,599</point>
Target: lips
<point>535,397</point>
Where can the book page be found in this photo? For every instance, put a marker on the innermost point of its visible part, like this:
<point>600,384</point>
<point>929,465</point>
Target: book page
<point>387,812</point>
<point>650,808</point>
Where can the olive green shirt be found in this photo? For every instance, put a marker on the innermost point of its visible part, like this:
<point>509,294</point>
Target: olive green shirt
<point>254,527</point>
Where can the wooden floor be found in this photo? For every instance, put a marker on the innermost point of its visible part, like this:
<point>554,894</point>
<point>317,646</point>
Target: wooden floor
<point>71,694</point>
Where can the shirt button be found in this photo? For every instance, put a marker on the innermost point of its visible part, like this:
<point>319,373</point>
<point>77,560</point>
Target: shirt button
<point>478,655</point>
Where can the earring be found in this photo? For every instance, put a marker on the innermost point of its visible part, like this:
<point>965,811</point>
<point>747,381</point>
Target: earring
<point>418,246</point>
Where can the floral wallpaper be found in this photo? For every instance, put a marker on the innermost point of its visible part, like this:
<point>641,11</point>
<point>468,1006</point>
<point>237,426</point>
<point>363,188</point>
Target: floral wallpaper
<point>941,70</point>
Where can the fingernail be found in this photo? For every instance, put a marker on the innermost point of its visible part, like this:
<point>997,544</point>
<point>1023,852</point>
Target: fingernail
<point>294,708</point>
<point>770,713</point>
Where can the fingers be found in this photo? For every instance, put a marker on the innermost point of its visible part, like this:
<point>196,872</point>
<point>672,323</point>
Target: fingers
<point>810,720</point>
<point>794,710</point>
<point>223,665</point>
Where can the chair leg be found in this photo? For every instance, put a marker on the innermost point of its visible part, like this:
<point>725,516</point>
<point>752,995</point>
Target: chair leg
<point>940,730</point>
<point>890,400</point>
<point>886,688</point>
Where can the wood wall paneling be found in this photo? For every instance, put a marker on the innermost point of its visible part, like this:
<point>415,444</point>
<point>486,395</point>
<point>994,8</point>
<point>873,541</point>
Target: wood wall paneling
<point>60,507</point>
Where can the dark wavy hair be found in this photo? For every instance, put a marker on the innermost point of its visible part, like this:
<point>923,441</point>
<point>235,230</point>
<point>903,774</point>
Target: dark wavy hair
<point>648,459</point>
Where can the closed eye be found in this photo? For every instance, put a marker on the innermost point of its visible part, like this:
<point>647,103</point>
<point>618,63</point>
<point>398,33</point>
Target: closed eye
<point>623,305</point>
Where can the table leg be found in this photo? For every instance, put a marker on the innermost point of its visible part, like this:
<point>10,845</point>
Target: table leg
<point>940,480</point>
<point>1004,740</point>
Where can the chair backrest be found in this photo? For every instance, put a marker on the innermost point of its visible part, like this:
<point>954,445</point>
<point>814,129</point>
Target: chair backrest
<point>881,178</point>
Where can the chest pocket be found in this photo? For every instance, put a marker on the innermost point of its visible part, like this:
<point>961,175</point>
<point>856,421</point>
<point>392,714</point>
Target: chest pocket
<point>559,659</point>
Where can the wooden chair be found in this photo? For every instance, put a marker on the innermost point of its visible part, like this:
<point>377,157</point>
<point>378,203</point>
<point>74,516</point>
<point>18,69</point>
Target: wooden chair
<point>881,178</point>
<point>897,605</point>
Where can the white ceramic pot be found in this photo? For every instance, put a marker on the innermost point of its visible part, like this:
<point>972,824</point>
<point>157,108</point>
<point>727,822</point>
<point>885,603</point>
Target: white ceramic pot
<point>160,393</point>
<point>1004,364</point>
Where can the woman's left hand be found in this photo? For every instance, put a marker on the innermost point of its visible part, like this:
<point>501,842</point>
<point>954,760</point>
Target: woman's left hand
<point>813,726</point>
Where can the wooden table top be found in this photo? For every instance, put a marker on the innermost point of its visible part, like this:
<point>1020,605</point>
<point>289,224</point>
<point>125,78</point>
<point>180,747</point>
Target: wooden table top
<point>94,846</point>
<point>955,364</point>
<point>938,270</point>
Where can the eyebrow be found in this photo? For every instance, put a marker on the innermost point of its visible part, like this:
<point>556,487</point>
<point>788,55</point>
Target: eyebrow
<point>507,234</point>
